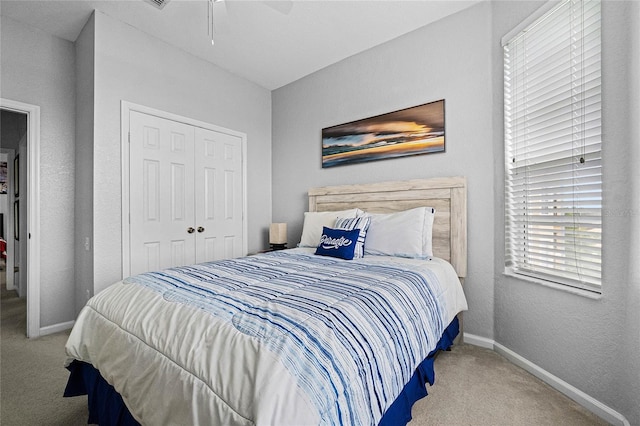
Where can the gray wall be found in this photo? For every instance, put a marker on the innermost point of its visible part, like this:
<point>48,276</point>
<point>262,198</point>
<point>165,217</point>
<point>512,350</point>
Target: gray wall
<point>38,69</point>
<point>113,62</point>
<point>631,328</point>
<point>133,66</point>
<point>85,61</point>
<point>590,343</point>
<point>449,59</point>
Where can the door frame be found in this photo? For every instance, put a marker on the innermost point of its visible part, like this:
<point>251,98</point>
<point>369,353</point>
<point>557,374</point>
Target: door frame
<point>125,109</point>
<point>33,210</point>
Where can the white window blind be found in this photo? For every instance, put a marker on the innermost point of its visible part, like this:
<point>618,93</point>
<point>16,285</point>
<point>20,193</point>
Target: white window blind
<point>552,112</point>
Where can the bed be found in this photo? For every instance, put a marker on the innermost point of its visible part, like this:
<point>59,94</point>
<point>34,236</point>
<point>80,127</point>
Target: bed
<point>287,337</point>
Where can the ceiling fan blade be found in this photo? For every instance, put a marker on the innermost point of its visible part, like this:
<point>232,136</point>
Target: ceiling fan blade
<point>282,6</point>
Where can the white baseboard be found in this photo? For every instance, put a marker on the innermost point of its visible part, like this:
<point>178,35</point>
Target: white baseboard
<point>55,328</point>
<point>596,407</point>
<point>483,342</point>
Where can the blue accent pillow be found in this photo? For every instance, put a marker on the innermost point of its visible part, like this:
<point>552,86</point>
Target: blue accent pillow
<point>338,242</point>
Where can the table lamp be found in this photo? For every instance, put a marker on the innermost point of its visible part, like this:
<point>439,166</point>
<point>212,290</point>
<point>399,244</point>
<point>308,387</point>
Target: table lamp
<point>278,236</point>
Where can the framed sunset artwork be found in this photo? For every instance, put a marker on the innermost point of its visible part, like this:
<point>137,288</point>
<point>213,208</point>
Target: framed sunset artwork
<point>411,131</point>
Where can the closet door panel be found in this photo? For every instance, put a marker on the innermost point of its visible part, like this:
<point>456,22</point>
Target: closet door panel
<point>185,194</point>
<point>218,188</point>
<point>161,155</point>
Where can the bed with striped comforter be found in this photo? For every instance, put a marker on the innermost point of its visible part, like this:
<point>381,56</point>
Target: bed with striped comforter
<point>282,338</point>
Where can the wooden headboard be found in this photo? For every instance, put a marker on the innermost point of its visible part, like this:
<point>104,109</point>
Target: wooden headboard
<point>447,195</point>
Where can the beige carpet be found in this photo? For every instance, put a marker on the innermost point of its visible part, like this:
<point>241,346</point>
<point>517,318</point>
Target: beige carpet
<point>474,386</point>
<point>32,373</point>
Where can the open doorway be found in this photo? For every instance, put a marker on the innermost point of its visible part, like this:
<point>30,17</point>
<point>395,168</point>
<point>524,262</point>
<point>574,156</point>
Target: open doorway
<point>13,143</point>
<point>19,206</point>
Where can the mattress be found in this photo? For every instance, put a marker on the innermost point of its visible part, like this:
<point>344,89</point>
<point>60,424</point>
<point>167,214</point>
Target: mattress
<point>281,338</point>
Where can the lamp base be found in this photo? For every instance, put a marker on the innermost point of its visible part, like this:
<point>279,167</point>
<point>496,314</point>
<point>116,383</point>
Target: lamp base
<point>278,246</point>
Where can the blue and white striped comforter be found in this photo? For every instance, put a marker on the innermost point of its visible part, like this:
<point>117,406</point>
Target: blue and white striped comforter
<point>350,334</point>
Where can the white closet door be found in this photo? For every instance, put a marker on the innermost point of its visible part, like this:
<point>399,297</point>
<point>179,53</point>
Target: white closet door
<point>161,155</point>
<point>219,195</point>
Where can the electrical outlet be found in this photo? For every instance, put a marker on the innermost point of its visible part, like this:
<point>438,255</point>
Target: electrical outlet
<point>87,244</point>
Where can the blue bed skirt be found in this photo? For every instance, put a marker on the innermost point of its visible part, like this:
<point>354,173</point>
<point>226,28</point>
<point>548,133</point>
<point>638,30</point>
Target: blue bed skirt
<point>105,404</point>
<point>107,408</point>
<point>399,413</point>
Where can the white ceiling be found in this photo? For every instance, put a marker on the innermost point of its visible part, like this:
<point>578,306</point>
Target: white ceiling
<point>271,43</point>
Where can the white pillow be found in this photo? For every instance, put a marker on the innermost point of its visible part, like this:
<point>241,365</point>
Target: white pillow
<point>314,221</point>
<point>403,234</point>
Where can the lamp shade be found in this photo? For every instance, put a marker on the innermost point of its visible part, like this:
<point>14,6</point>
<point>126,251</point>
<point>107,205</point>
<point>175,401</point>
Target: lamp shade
<point>278,233</point>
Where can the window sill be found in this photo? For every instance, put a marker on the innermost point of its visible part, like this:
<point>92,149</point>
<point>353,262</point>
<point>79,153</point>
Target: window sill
<point>562,287</point>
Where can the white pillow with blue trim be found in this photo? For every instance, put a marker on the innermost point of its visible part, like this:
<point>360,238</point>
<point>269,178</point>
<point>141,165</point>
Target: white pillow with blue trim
<point>315,221</point>
<point>403,234</point>
<point>362,223</point>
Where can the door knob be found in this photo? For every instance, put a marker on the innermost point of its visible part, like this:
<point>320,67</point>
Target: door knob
<point>200,229</point>
<point>190,230</point>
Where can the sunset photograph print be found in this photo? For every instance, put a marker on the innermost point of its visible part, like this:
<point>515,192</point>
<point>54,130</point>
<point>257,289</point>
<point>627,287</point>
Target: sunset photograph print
<point>411,131</point>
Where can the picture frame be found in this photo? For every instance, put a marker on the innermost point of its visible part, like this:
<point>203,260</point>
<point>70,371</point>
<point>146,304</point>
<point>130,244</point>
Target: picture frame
<point>16,220</point>
<point>16,176</point>
<point>3,177</point>
<point>407,132</point>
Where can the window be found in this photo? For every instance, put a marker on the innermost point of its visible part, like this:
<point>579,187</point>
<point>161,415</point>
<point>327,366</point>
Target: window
<point>553,171</point>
